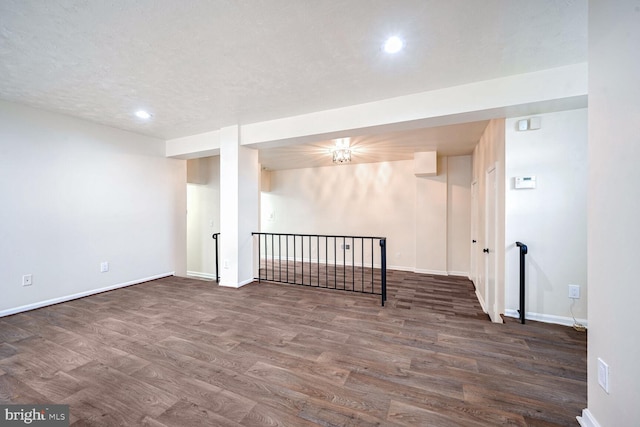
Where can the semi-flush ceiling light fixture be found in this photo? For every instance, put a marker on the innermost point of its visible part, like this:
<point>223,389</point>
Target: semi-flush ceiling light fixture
<point>341,152</point>
<point>144,115</point>
<point>393,44</point>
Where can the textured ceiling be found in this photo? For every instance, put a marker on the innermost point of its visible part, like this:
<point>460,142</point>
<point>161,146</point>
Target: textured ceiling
<point>199,65</point>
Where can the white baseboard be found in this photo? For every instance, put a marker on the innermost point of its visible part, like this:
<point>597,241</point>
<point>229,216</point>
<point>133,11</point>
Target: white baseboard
<point>227,284</point>
<point>401,268</point>
<point>433,272</point>
<point>546,318</point>
<point>201,275</point>
<point>65,298</point>
<point>459,273</point>
<point>587,419</point>
<point>481,301</point>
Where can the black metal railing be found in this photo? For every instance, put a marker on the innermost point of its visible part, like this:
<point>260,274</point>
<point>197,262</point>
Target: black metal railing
<point>215,240</point>
<point>523,252</point>
<point>346,263</point>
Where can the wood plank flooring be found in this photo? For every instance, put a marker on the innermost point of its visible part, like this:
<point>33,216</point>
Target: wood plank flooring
<point>185,352</point>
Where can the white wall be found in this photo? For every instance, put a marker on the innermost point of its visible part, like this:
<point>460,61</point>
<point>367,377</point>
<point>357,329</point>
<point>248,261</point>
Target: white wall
<point>458,217</point>
<point>74,194</point>
<point>378,199</point>
<point>614,206</point>
<point>203,215</point>
<point>550,219</point>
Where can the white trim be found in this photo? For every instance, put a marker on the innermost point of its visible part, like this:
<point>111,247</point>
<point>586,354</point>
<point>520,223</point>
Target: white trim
<point>80,295</point>
<point>433,272</point>
<point>458,273</point>
<point>201,275</point>
<point>481,301</point>
<point>547,318</point>
<point>587,419</point>
<point>400,268</point>
<point>236,285</point>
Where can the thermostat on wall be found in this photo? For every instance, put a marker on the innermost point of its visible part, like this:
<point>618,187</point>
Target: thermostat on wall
<point>525,182</point>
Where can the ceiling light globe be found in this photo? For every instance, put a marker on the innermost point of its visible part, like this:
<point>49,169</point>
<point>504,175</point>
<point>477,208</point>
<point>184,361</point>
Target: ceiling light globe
<point>393,44</point>
<point>141,114</point>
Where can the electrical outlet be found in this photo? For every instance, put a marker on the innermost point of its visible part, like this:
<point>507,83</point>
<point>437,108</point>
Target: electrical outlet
<point>603,375</point>
<point>574,291</point>
<point>104,267</point>
<point>225,263</point>
<point>27,280</point>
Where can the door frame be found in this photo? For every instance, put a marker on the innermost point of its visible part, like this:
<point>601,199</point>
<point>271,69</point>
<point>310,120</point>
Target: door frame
<point>473,270</point>
<point>491,243</point>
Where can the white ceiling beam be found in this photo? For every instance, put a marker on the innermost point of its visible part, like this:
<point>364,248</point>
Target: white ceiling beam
<point>194,146</point>
<point>531,93</point>
<point>556,89</point>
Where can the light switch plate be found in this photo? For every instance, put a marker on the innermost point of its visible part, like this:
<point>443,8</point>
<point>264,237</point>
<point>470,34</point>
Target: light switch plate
<point>603,375</point>
<point>574,291</point>
<point>27,280</point>
<point>523,124</point>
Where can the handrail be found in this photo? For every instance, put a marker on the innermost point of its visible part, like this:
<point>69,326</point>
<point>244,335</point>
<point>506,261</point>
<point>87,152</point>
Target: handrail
<point>523,251</point>
<point>318,235</point>
<point>315,260</point>
<point>215,239</point>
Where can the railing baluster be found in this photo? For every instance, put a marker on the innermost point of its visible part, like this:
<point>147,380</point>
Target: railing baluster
<point>335,262</point>
<point>371,265</point>
<point>362,262</point>
<point>310,269</point>
<point>344,264</point>
<point>353,267</point>
<point>326,261</point>
<point>267,255</point>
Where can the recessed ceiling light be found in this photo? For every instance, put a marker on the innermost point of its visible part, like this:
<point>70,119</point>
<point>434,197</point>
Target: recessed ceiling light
<point>393,44</point>
<point>141,114</point>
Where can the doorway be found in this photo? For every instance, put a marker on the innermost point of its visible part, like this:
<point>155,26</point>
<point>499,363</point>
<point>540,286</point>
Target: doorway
<point>203,215</point>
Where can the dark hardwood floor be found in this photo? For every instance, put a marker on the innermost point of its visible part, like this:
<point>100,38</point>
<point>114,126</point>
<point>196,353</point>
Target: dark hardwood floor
<point>185,352</point>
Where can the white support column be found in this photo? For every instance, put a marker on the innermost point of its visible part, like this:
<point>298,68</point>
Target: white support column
<point>239,208</point>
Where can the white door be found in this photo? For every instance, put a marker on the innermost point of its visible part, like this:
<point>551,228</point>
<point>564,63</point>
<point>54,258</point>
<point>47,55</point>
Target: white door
<point>489,251</point>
